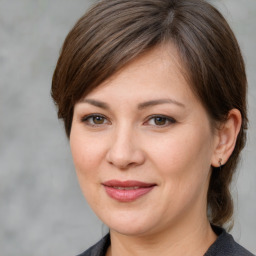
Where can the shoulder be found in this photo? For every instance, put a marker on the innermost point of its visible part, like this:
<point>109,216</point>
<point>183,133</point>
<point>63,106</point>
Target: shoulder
<point>225,245</point>
<point>99,249</point>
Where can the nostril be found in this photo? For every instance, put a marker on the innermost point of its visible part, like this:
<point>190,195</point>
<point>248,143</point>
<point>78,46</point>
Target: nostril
<point>120,162</point>
<point>124,151</point>
<point>126,160</point>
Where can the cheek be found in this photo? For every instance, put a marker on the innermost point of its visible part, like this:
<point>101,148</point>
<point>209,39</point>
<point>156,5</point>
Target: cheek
<point>85,159</point>
<point>85,149</point>
<point>181,149</point>
<point>86,153</point>
<point>183,159</point>
<point>183,163</point>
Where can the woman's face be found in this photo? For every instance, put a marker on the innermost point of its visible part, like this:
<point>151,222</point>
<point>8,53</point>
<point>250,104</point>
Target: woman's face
<point>142,147</point>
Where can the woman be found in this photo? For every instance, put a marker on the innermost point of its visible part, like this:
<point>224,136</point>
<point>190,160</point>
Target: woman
<point>153,98</point>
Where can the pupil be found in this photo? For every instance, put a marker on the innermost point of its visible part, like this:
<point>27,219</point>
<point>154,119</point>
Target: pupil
<point>98,120</point>
<point>160,120</point>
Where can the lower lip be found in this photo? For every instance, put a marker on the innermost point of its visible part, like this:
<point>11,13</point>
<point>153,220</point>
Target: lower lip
<point>128,195</point>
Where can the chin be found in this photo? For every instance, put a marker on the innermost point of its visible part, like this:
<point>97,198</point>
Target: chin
<point>130,231</point>
<point>132,225</point>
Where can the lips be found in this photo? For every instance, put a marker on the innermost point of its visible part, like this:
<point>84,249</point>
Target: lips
<point>127,191</point>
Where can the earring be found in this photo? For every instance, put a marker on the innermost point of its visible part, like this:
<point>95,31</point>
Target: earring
<point>220,163</point>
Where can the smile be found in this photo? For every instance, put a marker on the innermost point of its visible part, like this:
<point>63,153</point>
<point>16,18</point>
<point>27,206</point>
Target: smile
<point>126,188</point>
<point>127,191</point>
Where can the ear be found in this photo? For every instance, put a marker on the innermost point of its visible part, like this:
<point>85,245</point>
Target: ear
<point>226,138</point>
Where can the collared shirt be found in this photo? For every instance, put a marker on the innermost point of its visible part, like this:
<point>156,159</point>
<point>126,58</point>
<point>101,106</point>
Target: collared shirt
<point>223,246</point>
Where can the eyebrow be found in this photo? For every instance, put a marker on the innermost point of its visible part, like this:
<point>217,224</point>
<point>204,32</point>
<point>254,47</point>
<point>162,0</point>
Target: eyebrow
<point>158,102</point>
<point>141,106</point>
<point>96,103</point>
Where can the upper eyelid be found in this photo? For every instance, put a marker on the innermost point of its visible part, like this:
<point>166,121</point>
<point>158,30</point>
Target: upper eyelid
<point>169,121</point>
<point>93,115</point>
<point>86,117</point>
<point>159,115</point>
<point>169,118</point>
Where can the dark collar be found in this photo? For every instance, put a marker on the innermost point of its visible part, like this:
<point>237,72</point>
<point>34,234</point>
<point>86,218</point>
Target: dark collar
<point>223,246</point>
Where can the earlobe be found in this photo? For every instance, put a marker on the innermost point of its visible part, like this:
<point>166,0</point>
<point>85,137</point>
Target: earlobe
<point>227,136</point>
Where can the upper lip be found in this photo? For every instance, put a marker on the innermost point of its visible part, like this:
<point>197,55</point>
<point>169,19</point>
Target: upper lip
<point>127,183</point>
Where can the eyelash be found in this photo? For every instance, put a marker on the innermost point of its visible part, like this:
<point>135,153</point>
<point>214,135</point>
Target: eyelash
<point>168,120</point>
<point>86,120</point>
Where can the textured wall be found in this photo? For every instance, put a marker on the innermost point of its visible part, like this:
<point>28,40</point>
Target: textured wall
<point>42,211</point>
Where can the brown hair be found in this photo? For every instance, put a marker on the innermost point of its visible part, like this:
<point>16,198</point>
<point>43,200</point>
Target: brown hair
<point>114,32</point>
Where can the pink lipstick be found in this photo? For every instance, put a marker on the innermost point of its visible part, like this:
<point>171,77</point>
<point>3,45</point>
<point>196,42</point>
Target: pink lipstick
<point>127,191</point>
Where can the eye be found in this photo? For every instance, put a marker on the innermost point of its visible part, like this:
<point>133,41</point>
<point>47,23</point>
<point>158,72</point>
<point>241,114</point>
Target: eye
<point>95,120</point>
<point>161,121</point>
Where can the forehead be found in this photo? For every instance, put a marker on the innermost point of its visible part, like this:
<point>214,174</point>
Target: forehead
<point>159,68</point>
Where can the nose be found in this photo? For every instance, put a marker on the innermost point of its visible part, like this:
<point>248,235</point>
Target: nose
<point>125,151</point>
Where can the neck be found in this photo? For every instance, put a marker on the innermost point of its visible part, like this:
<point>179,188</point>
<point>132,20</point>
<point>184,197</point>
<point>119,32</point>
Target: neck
<point>197,239</point>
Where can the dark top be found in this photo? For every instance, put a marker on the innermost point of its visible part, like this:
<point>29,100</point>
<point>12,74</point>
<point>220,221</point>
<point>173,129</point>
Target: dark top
<point>223,246</point>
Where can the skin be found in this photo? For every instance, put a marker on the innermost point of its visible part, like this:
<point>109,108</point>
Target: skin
<point>175,152</point>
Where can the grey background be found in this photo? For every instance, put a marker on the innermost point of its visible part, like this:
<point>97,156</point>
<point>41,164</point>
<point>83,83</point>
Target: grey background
<point>42,211</point>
